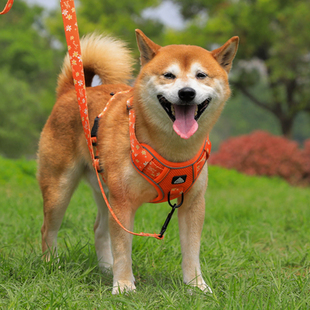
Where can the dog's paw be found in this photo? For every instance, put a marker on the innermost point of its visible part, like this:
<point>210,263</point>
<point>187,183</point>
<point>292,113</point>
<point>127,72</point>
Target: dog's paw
<point>205,288</point>
<point>201,285</point>
<point>123,286</point>
<point>105,267</point>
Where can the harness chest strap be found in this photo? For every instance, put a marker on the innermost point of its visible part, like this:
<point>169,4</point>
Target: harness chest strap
<point>170,179</point>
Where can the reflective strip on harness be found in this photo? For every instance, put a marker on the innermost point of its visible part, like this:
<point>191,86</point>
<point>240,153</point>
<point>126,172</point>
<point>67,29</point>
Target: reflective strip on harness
<point>165,176</point>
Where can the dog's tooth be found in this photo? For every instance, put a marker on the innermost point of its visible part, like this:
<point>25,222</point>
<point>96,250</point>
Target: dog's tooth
<point>172,110</point>
<point>196,110</point>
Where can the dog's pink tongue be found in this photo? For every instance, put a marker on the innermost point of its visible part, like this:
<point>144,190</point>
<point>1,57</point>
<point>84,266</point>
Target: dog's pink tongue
<point>185,124</point>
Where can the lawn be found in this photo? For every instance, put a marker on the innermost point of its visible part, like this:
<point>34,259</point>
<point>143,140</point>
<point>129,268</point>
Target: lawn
<point>254,251</point>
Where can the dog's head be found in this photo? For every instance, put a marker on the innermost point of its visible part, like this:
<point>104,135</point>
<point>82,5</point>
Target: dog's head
<point>184,87</point>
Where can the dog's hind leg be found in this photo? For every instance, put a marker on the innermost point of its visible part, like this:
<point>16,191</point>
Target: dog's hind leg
<point>57,191</point>
<point>102,234</point>
<point>101,227</point>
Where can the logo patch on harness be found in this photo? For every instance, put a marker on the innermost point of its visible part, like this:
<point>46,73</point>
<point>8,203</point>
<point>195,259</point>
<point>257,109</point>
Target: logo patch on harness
<point>179,179</point>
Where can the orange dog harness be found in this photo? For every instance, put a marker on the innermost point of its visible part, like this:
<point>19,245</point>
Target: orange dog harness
<point>170,179</point>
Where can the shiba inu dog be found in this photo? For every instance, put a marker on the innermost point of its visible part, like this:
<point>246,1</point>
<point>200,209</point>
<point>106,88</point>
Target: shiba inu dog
<point>177,98</point>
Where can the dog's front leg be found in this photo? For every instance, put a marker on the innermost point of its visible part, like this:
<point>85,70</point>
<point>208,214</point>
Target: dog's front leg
<point>123,279</point>
<point>191,217</point>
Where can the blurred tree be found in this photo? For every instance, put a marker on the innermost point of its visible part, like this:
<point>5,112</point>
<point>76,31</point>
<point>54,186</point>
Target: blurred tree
<point>28,71</point>
<point>26,46</point>
<point>274,49</point>
<point>20,111</point>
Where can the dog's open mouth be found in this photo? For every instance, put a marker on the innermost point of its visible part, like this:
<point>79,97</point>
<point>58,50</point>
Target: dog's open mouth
<point>170,108</point>
<point>185,116</point>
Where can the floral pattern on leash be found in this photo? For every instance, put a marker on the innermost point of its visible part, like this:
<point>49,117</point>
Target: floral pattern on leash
<point>74,50</point>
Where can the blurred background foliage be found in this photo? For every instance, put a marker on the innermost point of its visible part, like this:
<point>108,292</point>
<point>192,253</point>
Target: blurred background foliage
<point>270,77</point>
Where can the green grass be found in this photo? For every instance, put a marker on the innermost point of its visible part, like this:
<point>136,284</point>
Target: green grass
<point>254,251</point>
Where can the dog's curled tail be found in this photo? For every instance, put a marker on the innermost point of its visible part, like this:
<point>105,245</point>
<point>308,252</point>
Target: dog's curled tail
<point>104,56</point>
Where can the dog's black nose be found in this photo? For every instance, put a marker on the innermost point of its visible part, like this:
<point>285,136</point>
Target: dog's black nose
<point>187,94</point>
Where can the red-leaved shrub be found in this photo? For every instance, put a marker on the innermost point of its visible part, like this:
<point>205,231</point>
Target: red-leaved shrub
<point>261,153</point>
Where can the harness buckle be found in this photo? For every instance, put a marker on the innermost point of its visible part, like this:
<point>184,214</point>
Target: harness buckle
<point>97,165</point>
<point>94,141</point>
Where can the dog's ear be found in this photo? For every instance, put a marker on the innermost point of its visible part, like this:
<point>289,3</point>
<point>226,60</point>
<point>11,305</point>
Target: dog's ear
<point>148,49</point>
<point>226,53</point>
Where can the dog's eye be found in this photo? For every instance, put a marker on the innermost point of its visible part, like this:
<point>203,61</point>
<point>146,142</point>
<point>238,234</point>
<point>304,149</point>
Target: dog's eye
<point>201,75</point>
<point>169,75</point>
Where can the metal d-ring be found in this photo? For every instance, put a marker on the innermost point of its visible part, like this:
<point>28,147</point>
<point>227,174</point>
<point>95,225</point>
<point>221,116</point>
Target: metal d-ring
<point>175,206</point>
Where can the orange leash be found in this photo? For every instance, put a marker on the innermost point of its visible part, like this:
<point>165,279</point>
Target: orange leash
<point>97,168</point>
<point>74,50</point>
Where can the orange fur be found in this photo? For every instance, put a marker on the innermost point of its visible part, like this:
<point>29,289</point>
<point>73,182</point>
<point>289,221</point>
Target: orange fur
<point>63,157</point>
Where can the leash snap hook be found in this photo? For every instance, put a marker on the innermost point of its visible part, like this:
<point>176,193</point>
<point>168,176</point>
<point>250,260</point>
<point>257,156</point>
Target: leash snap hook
<point>174,207</point>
